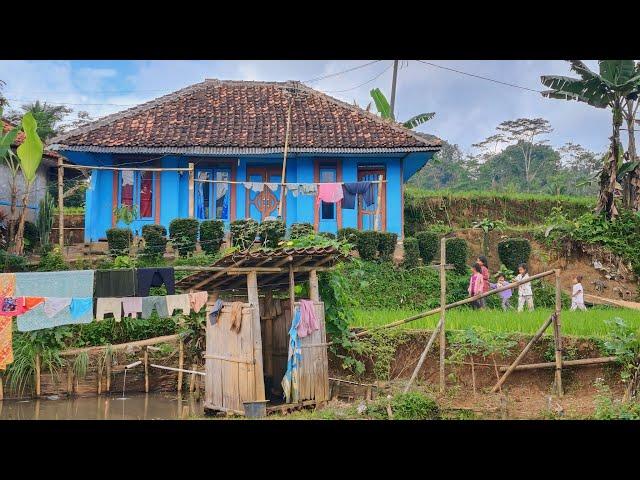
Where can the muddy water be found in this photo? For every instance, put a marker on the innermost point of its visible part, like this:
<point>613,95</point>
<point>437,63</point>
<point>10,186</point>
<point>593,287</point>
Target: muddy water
<point>153,406</point>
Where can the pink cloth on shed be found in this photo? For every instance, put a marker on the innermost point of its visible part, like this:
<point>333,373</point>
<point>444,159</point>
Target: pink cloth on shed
<point>197,300</point>
<point>308,319</point>
<point>131,306</point>
<point>329,193</point>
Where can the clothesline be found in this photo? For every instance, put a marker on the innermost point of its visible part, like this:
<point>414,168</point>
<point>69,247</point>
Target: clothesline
<point>235,182</point>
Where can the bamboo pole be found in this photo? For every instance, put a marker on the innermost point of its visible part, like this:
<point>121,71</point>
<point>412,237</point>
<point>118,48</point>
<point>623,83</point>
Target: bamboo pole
<point>517,361</point>
<point>38,375</point>
<point>565,363</point>
<point>314,290</point>
<point>191,191</point>
<point>162,367</point>
<point>61,204</point>
<point>557,335</point>
<point>443,302</point>
<point>119,169</point>
<point>192,379</point>
<point>107,359</point>
<point>284,163</point>
<point>292,289</point>
<point>423,356</point>
<point>70,379</point>
<point>122,346</point>
<point>377,221</point>
<point>146,370</point>
<point>180,365</point>
<point>455,304</point>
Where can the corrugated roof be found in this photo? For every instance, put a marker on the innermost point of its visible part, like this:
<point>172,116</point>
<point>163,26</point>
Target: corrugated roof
<point>227,117</point>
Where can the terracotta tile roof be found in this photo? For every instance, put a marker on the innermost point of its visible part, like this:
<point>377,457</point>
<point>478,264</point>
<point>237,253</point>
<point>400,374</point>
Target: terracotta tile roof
<point>20,138</point>
<point>238,116</point>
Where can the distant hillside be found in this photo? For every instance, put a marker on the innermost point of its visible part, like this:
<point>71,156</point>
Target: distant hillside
<point>423,208</point>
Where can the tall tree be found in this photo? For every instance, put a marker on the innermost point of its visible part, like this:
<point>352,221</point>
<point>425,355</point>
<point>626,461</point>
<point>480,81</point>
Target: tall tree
<point>3,101</point>
<point>49,117</point>
<point>616,82</point>
<point>525,133</point>
<point>384,109</point>
<point>448,169</point>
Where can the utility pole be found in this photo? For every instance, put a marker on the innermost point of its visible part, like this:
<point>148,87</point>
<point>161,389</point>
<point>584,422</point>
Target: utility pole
<point>393,89</point>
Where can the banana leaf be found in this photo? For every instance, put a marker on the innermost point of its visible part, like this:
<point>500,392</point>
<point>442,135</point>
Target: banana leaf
<point>31,149</point>
<point>384,109</point>
<point>419,119</point>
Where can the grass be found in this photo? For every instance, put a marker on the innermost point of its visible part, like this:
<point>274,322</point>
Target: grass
<point>587,324</point>
<point>421,193</point>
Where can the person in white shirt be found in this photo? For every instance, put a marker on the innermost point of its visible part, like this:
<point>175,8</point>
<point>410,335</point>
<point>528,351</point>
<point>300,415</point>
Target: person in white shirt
<point>525,294</point>
<point>577,294</point>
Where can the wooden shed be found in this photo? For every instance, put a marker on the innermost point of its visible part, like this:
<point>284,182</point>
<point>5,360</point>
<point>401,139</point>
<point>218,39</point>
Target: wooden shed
<point>249,365</point>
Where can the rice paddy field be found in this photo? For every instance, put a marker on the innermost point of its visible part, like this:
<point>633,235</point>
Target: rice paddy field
<point>587,324</point>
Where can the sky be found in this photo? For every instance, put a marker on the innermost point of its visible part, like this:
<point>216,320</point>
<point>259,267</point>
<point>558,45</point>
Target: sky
<point>467,108</point>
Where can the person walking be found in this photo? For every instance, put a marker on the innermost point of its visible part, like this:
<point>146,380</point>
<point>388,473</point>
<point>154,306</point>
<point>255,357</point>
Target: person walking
<point>525,293</point>
<point>476,285</point>
<point>484,266</point>
<point>577,294</point>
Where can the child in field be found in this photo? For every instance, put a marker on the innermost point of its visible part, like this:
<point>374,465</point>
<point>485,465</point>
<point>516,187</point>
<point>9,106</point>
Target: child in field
<point>505,295</point>
<point>525,294</point>
<point>484,265</point>
<point>577,295</point>
<point>476,285</point>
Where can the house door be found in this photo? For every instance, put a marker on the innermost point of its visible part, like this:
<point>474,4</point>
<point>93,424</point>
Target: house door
<point>264,203</point>
<point>367,215</point>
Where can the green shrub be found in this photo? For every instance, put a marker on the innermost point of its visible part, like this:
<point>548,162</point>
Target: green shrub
<point>184,235</point>
<point>31,236</point>
<point>513,252</point>
<point>349,234</point>
<point>405,406</point>
<point>456,254</point>
<point>411,253</point>
<point>52,261</point>
<point>12,263</point>
<point>428,243</point>
<point>119,240</point>
<point>211,235</point>
<point>243,232</point>
<point>155,240</point>
<point>386,245</point>
<point>329,235</point>
<point>272,232</point>
<point>367,244</point>
<point>298,230</point>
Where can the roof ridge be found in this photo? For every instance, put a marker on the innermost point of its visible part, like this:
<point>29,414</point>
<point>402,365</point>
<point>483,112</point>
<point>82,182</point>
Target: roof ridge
<point>395,125</point>
<point>129,111</point>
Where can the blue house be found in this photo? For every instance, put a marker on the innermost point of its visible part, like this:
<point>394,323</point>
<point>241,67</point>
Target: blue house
<point>236,131</point>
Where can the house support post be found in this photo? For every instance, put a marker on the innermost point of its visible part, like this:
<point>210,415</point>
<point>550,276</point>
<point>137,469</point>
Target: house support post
<point>314,290</point>
<point>192,181</point>
<point>252,297</point>
<point>61,204</point>
<point>377,221</point>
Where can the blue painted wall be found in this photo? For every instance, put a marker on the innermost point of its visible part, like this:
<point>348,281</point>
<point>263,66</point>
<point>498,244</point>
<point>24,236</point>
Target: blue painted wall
<point>174,201</point>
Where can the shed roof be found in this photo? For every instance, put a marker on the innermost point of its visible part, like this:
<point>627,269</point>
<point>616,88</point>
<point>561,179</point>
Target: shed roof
<point>272,267</point>
<point>232,117</point>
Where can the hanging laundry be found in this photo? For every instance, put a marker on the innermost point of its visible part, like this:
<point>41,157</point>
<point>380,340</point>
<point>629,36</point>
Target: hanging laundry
<point>80,306</point>
<point>154,277</point>
<point>291,380</point>
<point>32,302</point>
<point>105,306</point>
<point>236,316</point>
<point>11,306</point>
<point>66,284</point>
<point>115,283</point>
<point>308,188</point>
<point>157,303</point>
<point>329,193</point>
<point>178,302</point>
<point>364,189</point>
<point>6,347</point>
<point>7,284</point>
<point>308,320</point>
<point>273,186</point>
<point>131,306</point>
<point>215,311</point>
<point>197,300</point>
<point>254,186</point>
<point>54,305</point>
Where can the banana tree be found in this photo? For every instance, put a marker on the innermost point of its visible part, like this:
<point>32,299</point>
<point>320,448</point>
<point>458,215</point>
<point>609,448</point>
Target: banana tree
<point>617,82</point>
<point>13,166</point>
<point>30,156</point>
<point>384,109</point>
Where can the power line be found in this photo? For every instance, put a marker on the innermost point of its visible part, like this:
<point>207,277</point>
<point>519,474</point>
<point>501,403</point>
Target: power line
<point>360,85</point>
<point>340,73</point>
<point>480,76</point>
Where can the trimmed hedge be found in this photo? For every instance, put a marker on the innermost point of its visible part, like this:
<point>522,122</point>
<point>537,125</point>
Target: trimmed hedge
<point>211,235</point>
<point>411,253</point>
<point>428,243</point>
<point>272,232</point>
<point>386,245</point>
<point>184,235</point>
<point>456,254</point>
<point>349,235</point>
<point>298,230</point>
<point>367,244</point>
<point>155,240</point>
<point>243,232</point>
<point>119,240</point>
<point>513,252</point>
